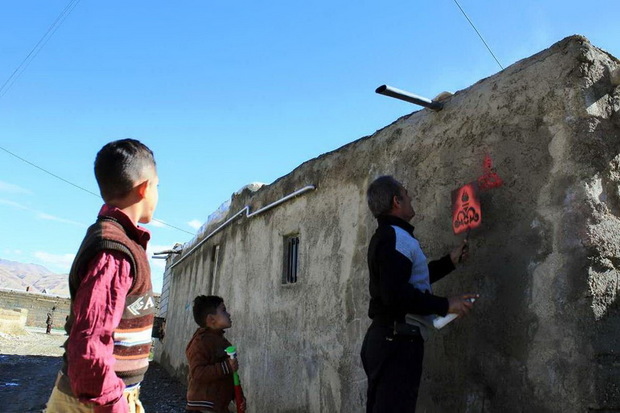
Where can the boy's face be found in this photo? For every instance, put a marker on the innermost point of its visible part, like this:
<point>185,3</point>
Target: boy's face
<point>151,197</point>
<point>220,320</point>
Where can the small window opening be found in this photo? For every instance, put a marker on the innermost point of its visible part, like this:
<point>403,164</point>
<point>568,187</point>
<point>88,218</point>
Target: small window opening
<point>291,259</point>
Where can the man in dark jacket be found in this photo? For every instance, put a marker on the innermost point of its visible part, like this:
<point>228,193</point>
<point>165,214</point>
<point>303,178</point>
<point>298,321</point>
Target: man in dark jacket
<point>401,301</point>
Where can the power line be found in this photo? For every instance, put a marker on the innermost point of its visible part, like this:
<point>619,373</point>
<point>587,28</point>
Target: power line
<point>479,35</point>
<point>48,172</point>
<point>172,226</point>
<point>79,187</point>
<point>37,47</point>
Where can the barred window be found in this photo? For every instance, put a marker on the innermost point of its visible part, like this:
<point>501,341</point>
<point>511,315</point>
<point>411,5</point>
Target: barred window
<point>291,259</point>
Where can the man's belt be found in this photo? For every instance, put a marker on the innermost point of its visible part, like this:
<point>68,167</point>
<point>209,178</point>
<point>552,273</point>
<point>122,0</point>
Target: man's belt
<point>406,330</point>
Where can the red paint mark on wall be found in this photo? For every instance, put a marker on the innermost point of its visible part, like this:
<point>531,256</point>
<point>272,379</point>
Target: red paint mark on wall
<point>489,179</point>
<point>466,211</point>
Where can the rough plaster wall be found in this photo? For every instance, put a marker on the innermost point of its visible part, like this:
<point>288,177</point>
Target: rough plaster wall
<point>600,208</point>
<point>289,343</point>
<point>544,333</point>
<point>533,322</point>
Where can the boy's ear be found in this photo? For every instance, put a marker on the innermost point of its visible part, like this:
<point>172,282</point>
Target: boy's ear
<point>142,188</point>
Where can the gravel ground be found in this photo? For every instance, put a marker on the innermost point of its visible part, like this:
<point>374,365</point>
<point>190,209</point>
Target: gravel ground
<point>29,363</point>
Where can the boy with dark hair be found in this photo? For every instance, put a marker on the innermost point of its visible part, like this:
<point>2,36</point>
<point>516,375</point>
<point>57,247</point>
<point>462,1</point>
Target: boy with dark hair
<point>210,381</point>
<point>112,305</point>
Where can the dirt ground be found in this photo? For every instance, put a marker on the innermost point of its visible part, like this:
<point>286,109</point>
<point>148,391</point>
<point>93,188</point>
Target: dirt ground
<point>29,363</point>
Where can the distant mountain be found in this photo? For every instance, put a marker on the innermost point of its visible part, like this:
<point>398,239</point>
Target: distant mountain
<point>19,276</point>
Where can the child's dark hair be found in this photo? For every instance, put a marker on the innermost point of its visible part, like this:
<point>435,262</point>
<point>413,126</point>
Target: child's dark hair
<point>205,305</point>
<point>120,165</point>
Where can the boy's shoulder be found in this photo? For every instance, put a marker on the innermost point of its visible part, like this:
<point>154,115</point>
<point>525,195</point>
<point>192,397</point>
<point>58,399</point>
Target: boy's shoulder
<point>208,341</point>
<point>208,335</point>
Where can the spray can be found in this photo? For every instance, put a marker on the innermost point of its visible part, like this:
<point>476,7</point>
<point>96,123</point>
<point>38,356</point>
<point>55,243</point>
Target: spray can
<point>441,322</point>
<point>239,399</point>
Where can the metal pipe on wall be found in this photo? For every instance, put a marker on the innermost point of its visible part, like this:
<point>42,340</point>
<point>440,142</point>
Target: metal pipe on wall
<point>245,209</point>
<point>408,97</point>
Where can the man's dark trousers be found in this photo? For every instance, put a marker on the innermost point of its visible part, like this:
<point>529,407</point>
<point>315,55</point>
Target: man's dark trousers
<point>393,365</point>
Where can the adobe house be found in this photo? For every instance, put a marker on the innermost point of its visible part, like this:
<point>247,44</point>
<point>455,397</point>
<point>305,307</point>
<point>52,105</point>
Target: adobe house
<point>545,333</point>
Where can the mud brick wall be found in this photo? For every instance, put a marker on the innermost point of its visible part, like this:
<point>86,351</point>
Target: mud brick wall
<point>38,305</point>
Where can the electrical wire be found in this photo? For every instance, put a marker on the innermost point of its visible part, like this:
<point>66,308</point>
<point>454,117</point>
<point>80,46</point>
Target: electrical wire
<point>22,67</point>
<point>479,35</point>
<point>37,47</point>
<point>79,187</point>
<point>48,172</point>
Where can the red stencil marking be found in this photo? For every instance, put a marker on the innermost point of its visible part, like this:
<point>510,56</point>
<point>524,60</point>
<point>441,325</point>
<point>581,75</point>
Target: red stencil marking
<point>466,211</point>
<point>489,179</point>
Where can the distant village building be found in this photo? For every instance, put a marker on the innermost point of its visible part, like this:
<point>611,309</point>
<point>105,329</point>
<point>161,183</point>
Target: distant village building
<point>544,334</point>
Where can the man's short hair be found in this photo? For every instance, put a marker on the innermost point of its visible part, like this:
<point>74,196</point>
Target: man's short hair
<point>120,165</point>
<point>381,193</point>
<point>205,305</point>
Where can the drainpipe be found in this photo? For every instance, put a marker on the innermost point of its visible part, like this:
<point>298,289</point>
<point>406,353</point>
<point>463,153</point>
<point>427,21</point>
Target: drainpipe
<point>409,97</point>
<point>281,200</point>
<point>248,214</point>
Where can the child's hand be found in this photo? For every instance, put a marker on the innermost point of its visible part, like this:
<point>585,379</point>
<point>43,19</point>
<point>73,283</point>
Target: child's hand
<point>234,364</point>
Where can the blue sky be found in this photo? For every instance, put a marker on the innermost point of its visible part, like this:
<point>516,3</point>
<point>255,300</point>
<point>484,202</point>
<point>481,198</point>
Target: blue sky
<point>229,93</point>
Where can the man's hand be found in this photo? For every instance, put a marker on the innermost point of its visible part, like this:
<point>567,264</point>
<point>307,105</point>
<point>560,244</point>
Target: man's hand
<point>461,304</point>
<point>234,364</point>
<point>460,253</point>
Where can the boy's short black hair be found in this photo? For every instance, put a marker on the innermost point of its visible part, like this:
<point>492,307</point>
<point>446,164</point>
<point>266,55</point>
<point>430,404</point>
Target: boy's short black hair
<point>120,165</point>
<point>205,305</point>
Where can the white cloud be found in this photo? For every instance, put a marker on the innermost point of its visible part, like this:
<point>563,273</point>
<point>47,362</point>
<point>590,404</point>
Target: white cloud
<point>55,262</point>
<point>153,248</point>
<point>40,215</point>
<point>157,264</point>
<point>157,223</point>
<point>194,223</point>
<point>13,189</point>
<point>8,251</point>
<point>15,205</point>
<point>48,217</point>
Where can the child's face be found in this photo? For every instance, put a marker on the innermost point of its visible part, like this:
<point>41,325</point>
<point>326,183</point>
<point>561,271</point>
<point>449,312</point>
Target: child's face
<point>220,320</point>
